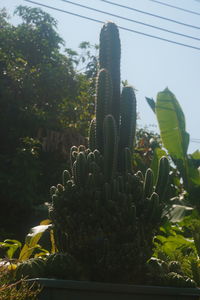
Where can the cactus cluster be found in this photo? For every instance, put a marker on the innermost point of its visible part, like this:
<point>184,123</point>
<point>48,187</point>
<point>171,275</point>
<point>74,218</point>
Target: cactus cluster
<point>104,214</point>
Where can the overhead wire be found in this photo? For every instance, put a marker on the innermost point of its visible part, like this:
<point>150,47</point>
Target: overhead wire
<point>195,140</point>
<point>150,14</point>
<point>120,27</point>
<point>176,7</point>
<point>131,20</point>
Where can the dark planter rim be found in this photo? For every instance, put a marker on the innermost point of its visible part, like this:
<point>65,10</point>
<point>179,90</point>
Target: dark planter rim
<point>111,287</point>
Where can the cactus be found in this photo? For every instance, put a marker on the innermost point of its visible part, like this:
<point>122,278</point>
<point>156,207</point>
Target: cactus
<point>163,177</point>
<point>110,146</point>
<point>103,104</point>
<point>80,170</point>
<point>109,58</point>
<point>128,118</point>
<point>104,215</point>
<point>148,183</point>
<point>31,268</point>
<point>64,266</point>
<point>92,135</point>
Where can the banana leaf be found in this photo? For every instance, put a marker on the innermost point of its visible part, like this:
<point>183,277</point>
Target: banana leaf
<point>32,239</point>
<point>171,122</point>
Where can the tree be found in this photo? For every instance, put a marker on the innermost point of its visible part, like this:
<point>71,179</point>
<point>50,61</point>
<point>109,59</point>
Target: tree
<point>39,89</point>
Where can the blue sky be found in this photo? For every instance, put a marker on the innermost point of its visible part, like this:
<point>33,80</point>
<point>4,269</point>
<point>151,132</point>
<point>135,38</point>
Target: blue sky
<point>148,64</point>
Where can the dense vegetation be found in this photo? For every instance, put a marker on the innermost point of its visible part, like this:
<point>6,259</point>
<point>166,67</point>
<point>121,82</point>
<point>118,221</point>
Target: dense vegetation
<point>46,105</point>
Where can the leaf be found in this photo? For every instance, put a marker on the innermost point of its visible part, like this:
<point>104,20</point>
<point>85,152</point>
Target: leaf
<point>195,155</point>
<point>45,222</point>
<point>151,103</point>
<point>193,174</point>
<point>171,122</point>
<point>12,246</point>
<point>178,212</point>
<point>32,240</point>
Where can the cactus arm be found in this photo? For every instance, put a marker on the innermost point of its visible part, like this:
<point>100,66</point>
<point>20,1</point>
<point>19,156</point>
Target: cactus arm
<point>148,183</point>
<point>128,117</point>
<point>163,177</point>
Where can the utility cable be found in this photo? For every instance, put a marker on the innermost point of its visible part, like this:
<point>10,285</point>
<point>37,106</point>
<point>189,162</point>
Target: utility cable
<point>177,7</point>
<point>131,20</point>
<point>150,14</point>
<point>120,27</point>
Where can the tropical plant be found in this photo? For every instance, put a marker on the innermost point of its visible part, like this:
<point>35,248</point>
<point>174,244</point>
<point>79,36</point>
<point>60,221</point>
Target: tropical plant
<point>175,139</point>
<point>16,253</point>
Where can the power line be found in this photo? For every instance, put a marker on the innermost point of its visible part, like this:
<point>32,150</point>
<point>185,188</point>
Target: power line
<point>177,7</point>
<point>195,140</point>
<point>120,27</point>
<point>150,14</point>
<point>131,20</point>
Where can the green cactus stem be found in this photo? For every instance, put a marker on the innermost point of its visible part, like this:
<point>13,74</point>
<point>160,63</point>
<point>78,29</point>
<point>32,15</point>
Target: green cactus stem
<point>110,147</point>
<point>128,117</point>
<point>148,183</point>
<point>103,104</point>
<point>109,58</point>
<point>80,170</point>
<point>92,135</point>
<point>163,177</point>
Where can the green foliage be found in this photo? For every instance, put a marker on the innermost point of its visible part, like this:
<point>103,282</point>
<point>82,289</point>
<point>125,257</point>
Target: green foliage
<point>175,139</point>
<point>40,92</point>
<point>171,121</point>
<point>168,274</point>
<point>31,248</point>
<point>180,242</point>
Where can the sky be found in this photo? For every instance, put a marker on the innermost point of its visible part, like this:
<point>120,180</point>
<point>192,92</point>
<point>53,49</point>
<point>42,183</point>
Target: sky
<point>148,64</point>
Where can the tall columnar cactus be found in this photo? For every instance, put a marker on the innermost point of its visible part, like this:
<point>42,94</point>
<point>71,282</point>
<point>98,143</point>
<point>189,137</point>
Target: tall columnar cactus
<point>128,117</point>
<point>127,124</point>
<point>109,58</point>
<point>104,94</point>
<point>104,215</point>
<point>110,146</point>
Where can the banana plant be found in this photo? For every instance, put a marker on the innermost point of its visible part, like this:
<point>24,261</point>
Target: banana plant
<point>175,139</point>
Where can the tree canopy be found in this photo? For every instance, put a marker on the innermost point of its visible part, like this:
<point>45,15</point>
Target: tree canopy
<point>40,89</point>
